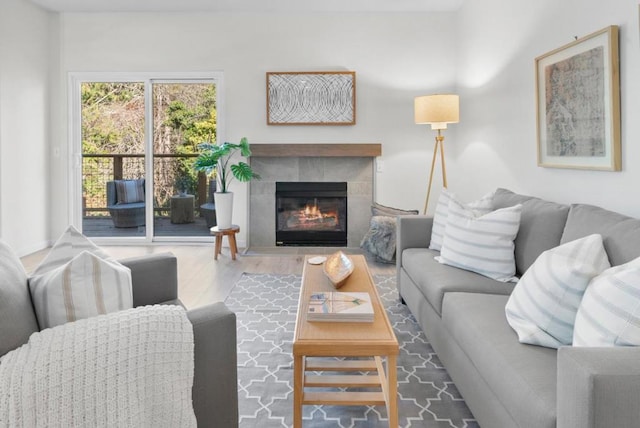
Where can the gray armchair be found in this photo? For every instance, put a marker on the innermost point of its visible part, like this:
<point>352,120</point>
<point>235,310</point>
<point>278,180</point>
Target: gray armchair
<point>124,215</point>
<point>215,382</point>
<point>155,281</point>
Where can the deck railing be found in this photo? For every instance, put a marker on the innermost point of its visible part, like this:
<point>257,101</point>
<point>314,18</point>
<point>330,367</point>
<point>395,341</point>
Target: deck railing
<point>97,169</point>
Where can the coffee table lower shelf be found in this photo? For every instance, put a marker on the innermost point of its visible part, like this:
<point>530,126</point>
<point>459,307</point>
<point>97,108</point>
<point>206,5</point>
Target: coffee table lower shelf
<point>385,379</point>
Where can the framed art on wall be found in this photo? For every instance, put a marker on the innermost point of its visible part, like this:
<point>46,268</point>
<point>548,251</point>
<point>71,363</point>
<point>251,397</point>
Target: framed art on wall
<point>578,104</point>
<point>311,98</point>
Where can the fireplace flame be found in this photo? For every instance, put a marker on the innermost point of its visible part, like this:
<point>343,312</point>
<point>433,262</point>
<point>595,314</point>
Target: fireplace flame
<point>312,211</point>
<point>310,217</point>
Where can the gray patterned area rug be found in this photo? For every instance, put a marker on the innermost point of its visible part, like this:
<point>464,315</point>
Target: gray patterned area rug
<point>266,305</point>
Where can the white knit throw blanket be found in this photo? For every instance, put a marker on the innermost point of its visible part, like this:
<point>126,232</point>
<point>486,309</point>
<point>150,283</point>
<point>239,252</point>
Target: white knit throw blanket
<point>132,368</point>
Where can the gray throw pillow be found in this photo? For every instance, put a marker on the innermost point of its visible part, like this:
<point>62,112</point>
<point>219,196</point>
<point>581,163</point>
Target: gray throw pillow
<point>130,191</point>
<point>377,210</point>
<point>380,240</point>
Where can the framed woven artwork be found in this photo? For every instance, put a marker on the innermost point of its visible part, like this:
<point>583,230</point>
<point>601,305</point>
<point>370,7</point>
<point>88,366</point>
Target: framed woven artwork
<point>578,104</point>
<point>311,98</point>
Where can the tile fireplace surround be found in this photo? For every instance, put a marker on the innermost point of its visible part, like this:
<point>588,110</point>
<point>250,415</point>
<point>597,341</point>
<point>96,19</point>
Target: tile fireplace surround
<point>350,163</point>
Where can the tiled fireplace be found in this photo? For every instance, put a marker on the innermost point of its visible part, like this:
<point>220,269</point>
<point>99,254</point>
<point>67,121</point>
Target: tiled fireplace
<point>317,166</point>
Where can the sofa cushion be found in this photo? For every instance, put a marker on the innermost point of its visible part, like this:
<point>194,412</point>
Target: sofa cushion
<point>434,279</point>
<point>542,308</point>
<point>541,225</point>
<point>609,313</point>
<point>482,244</point>
<point>124,208</point>
<point>522,377</point>
<point>17,318</point>
<point>621,234</point>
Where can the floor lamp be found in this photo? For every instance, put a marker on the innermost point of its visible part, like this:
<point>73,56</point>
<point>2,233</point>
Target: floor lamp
<point>437,111</point>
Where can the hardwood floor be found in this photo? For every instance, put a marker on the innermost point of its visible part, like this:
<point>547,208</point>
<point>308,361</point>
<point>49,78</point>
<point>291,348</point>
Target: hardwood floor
<point>203,280</point>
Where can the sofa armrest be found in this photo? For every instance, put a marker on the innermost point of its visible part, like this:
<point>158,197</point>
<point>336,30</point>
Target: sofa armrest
<point>154,278</point>
<point>414,231</point>
<point>215,381</point>
<point>598,387</point>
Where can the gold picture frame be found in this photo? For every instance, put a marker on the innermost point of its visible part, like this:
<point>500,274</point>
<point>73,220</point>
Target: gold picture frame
<point>578,104</point>
<point>311,98</point>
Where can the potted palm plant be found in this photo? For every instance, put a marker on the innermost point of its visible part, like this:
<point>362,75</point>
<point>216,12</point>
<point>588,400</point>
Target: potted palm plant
<point>217,158</point>
<point>182,184</point>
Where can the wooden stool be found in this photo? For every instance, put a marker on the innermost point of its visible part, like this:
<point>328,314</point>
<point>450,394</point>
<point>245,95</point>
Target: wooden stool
<point>231,233</point>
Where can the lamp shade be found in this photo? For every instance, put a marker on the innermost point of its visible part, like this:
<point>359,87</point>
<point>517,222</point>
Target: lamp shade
<point>437,110</point>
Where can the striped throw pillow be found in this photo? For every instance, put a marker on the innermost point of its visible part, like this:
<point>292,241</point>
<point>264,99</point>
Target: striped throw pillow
<point>70,244</point>
<point>482,206</point>
<point>609,314</point>
<point>481,244</point>
<point>84,287</point>
<point>130,191</point>
<point>78,274</point>
<point>542,308</point>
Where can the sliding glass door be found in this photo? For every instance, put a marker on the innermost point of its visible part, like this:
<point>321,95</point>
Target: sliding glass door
<point>113,150</point>
<point>135,140</point>
<point>184,115</point>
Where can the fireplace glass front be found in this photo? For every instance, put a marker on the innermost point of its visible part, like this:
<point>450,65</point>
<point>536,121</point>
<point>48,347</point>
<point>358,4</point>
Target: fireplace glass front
<point>311,213</point>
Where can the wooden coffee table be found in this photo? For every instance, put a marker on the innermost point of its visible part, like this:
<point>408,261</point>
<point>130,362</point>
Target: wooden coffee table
<point>372,344</point>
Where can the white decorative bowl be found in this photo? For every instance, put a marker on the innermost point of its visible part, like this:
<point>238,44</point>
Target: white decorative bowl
<point>338,267</point>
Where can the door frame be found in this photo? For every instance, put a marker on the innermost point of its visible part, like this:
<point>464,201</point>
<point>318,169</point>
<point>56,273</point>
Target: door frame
<point>75,79</point>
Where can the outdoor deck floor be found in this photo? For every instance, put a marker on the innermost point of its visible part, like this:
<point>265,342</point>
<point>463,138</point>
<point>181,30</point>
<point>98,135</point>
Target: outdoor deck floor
<point>103,227</point>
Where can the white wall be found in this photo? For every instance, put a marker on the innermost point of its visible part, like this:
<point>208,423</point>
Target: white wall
<point>495,142</point>
<point>25,54</point>
<point>395,56</point>
<point>485,51</point>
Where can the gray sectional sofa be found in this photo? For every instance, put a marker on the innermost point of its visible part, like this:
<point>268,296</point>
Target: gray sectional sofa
<point>155,280</point>
<point>506,383</point>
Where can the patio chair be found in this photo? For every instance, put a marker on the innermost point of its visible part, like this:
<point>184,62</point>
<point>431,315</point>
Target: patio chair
<point>125,202</point>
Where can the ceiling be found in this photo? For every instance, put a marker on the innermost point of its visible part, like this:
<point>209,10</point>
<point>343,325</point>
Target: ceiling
<point>280,6</point>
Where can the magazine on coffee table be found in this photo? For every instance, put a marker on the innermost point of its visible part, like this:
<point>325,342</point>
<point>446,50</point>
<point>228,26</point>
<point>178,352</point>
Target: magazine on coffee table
<point>340,306</point>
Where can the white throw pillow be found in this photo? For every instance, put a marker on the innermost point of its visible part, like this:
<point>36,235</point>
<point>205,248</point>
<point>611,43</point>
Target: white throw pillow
<point>542,308</point>
<point>609,314</point>
<point>77,280</point>
<point>85,286</point>
<point>482,206</point>
<point>69,245</point>
<point>481,244</point>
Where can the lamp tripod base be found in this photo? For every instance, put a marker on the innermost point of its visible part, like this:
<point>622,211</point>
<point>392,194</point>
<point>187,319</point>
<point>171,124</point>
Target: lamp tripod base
<point>438,147</point>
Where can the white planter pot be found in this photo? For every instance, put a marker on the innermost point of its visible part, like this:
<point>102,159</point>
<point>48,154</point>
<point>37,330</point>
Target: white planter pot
<point>224,209</point>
